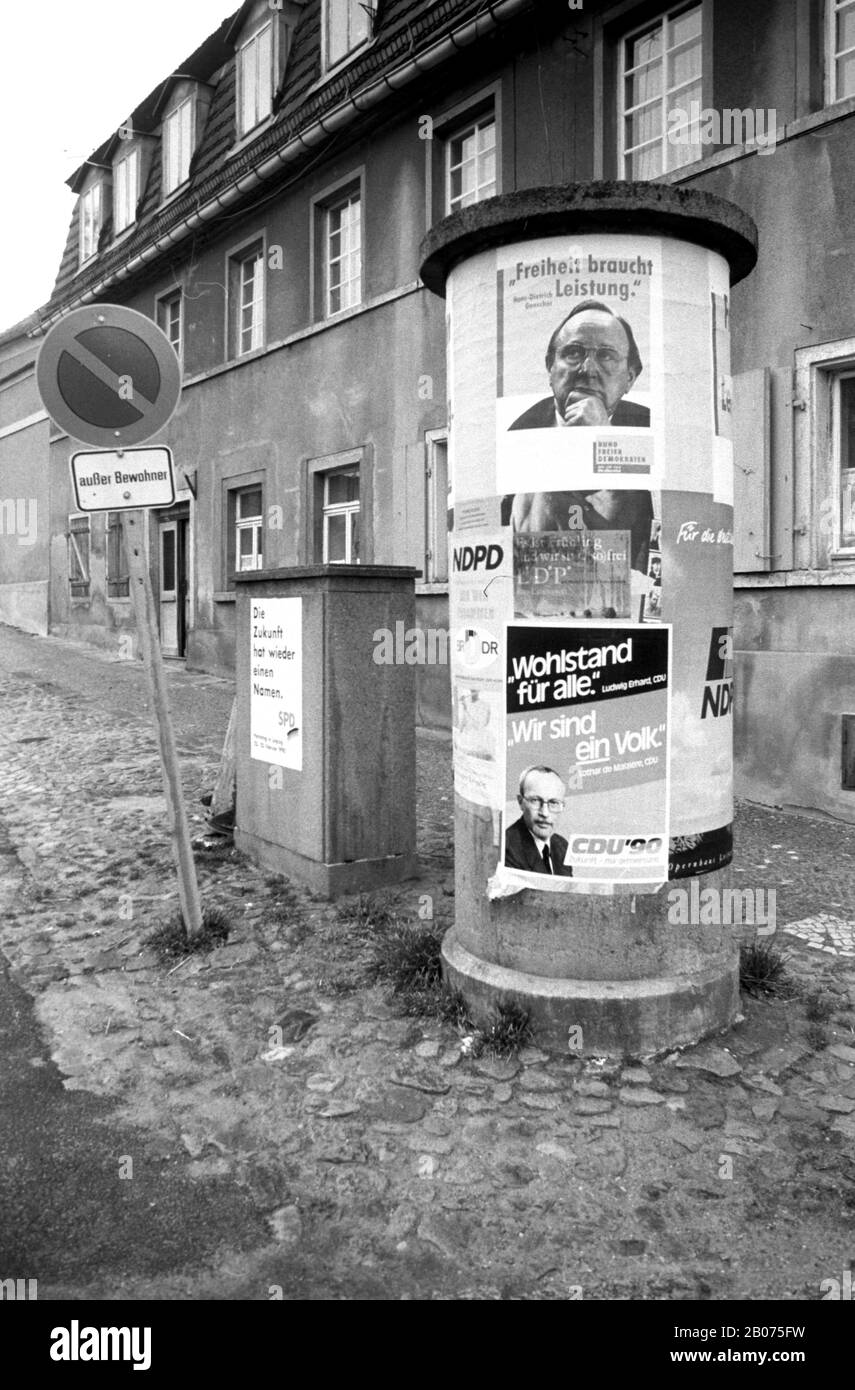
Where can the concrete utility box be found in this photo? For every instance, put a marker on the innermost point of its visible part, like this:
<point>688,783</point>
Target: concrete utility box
<point>326,751</point>
<point>591,599</point>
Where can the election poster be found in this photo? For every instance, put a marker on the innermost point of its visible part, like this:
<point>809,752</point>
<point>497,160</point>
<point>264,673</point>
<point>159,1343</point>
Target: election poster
<point>722,379</point>
<point>477,739</point>
<point>587,727</point>
<point>480,598</point>
<point>572,574</point>
<point>697,545</point>
<point>276,685</point>
<point>578,376</point>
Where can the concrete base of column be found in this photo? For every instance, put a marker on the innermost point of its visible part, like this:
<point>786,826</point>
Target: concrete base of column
<point>638,1018</point>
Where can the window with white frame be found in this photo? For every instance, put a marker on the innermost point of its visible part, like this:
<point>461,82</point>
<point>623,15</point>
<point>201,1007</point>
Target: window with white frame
<point>126,190</point>
<point>78,535</point>
<point>255,79</point>
<point>177,145</point>
<point>840,49</point>
<point>247,300</point>
<point>842,513</point>
<point>471,164</point>
<point>437,493</point>
<point>824,451</point>
<point>343,253</point>
<point>90,221</point>
<point>118,576</point>
<point>661,70</point>
<point>170,320</point>
<point>347,25</point>
<point>341,516</point>
<point>248,524</point>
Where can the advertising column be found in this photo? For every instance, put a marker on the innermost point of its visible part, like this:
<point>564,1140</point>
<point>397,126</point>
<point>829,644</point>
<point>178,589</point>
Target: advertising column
<point>592,551</point>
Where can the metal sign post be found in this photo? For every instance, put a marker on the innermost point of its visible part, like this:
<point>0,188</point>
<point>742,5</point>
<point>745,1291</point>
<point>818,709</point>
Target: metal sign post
<point>108,376</point>
<point>133,525</point>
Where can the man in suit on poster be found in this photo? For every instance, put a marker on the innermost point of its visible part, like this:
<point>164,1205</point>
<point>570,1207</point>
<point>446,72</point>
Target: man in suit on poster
<point>530,843</point>
<point>592,360</point>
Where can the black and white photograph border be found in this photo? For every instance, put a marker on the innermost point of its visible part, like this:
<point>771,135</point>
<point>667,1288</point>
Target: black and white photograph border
<point>267,1034</point>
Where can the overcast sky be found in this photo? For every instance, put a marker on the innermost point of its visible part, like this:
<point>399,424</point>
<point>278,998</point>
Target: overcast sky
<point>71,72</point>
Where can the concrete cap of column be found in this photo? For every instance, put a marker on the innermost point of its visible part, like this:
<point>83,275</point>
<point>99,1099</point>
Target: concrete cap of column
<point>574,209</point>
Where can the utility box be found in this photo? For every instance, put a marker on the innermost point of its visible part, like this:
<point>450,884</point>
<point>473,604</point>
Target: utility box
<point>326,742</point>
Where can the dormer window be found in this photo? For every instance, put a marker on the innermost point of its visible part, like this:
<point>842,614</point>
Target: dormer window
<point>347,25</point>
<point>177,145</point>
<point>90,221</point>
<point>255,79</point>
<point>126,190</point>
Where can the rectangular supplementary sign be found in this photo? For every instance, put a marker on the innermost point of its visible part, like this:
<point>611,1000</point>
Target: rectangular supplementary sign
<point>112,480</point>
<point>276,682</point>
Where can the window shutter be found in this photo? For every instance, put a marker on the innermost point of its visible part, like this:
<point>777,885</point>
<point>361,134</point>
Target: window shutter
<point>751,510</point>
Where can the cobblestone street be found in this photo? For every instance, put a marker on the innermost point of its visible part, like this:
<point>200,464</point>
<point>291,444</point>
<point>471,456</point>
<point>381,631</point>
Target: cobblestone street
<point>364,1154</point>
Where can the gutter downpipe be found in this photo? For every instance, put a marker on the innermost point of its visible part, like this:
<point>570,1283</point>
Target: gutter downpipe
<point>340,117</point>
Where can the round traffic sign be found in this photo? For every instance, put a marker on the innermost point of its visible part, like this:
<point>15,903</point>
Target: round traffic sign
<point>107,375</point>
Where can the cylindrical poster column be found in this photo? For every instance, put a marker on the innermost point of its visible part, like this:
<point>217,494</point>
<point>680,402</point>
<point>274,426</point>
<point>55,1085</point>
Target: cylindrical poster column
<point>591,607</point>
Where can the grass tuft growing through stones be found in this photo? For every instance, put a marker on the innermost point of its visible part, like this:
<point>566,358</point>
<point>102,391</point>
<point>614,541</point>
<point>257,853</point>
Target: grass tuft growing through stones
<point>763,970</point>
<point>406,957</point>
<point>819,1006</point>
<point>509,1031</point>
<point>169,940</point>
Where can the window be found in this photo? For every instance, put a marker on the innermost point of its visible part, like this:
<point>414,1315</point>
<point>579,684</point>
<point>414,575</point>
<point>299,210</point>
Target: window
<point>471,164</point>
<point>126,191</point>
<point>118,578</point>
<point>843,480</point>
<point>840,65</point>
<point>824,452</point>
<point>78,556</point>
<point>90,221</point>
<point>169,320</point>
<point>347,24</point>
<point>341,517</point>
<point>255,79</point>
<point>177,146</point>
<point>343,258</point>
<point>464,157</point>
<point>244,535</point>
<point>337,500</point>
<point>660,77</point>
<point>246,300</point>
<point>437,500</point>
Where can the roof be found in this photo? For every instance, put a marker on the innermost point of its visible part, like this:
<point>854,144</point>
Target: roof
<point>404,29</point>
<point>19,329</point>
<point>205,60</point>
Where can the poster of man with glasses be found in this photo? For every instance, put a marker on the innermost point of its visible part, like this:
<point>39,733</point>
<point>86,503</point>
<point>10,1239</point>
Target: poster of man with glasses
<point>584,453</point>
<point>579,370</point>
<point>586,755</point>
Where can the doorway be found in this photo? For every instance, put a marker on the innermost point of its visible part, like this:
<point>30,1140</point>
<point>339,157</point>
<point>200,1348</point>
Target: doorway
<point>174,603</point>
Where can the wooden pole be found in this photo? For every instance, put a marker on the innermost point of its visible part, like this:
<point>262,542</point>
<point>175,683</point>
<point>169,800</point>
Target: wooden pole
<point>133,524</point>
<point>223,799</point>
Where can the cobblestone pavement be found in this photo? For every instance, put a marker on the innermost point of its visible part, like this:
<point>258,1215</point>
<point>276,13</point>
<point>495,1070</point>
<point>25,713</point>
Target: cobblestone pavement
<point>384,1160</point>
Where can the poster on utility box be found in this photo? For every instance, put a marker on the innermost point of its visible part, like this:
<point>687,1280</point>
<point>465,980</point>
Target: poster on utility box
<point>591,705</point>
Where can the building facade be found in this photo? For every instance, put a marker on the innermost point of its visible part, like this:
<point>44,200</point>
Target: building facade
<point>266,204</point>
<point>24,484</point>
